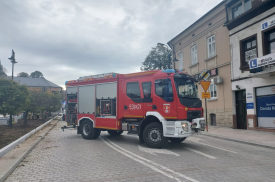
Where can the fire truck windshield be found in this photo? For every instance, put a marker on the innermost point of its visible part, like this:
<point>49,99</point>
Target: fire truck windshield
<point>186,88</point>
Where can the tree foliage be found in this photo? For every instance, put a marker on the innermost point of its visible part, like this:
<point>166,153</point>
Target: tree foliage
<point>3,71</point>
<point>158,58</point>
<point>23,74</point>
<point>36,74</point>
<point>13,97</point>
<point>40,102</point>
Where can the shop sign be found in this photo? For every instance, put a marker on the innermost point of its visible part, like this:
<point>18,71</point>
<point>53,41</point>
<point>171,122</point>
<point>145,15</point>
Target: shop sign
<point>269,23</point>
<point>214,72</point>
<point>249,105</point>
<point>262,61</point>
<point>266,111</point>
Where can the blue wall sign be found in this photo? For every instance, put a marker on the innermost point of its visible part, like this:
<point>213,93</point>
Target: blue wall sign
<point>266,106</point>
<point>249,105</point>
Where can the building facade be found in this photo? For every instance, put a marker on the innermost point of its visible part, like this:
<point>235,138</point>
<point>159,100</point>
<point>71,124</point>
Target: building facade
<point>251,25</point>
<point>202,46</point>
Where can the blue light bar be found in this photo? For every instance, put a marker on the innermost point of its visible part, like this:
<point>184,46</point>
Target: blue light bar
<point>168,71</point>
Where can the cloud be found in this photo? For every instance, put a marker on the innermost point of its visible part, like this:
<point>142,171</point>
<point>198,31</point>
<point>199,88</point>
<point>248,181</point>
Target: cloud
<point>67,39</point>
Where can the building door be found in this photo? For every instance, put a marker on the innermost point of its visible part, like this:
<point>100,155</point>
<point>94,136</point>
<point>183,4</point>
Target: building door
<point>241,109</point>
<point>213,119</point>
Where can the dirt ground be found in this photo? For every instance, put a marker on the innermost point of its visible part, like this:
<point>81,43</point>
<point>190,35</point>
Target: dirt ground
<point>8,135</point>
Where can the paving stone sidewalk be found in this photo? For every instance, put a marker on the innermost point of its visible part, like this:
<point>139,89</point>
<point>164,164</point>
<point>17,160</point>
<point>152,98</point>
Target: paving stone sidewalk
<point>260,138</point>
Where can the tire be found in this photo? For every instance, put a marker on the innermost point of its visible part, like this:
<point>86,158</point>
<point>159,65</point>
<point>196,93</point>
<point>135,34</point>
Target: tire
<point>114,132</point>
<point>98,131</point>
<point>140,137</point>
<point>153,135</point>
<point>88,132</point>
<point>177,140</point>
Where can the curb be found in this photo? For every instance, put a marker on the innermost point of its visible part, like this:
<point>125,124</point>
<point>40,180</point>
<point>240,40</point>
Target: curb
<point>239,141</point>
<point>12,145</point>
<point>3,178</point>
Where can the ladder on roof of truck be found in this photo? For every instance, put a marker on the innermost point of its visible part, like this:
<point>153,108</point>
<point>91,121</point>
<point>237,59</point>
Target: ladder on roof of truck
<point>96,76</point>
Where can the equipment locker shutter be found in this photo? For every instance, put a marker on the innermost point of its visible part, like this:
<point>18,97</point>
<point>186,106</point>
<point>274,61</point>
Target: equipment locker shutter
<point>86,102</point>
<point>106,90</point>
<point>71,90</point>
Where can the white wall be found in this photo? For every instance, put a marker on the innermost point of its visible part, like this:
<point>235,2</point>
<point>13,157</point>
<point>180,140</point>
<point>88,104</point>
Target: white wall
<point>237,37</point>
<point>250,86</point>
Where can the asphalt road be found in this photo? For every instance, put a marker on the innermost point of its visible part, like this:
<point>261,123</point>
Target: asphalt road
<point>65,156</point>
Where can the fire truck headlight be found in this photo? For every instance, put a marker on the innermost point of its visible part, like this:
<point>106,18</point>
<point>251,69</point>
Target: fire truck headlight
<point>185,127</point>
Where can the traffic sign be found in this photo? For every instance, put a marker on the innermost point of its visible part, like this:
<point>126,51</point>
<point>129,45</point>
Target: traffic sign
<point>205,85</point>
<point>205,74</point>
<point>206,95</point>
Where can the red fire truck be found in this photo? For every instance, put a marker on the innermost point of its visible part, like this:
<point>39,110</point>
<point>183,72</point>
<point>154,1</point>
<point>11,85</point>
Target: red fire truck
<point>157,106</point>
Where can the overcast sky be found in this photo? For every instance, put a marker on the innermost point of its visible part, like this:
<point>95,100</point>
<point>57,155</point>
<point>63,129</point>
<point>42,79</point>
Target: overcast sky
<point>67,39</point>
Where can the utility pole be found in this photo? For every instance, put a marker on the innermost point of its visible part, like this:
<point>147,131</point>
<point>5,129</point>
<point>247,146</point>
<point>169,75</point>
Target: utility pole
<point>12,59</point>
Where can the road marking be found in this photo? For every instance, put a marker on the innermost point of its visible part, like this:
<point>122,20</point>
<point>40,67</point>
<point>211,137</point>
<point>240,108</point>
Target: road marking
<point>197,140</point>
<point>140,161</point>
<point>149,161</point>
<point>153,151</point>
<point>217,147</point>
<point>201,153</point>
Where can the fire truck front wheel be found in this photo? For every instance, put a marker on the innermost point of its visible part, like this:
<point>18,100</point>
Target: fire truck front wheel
<point>88,131</point>
<point>114,132</point>
<point>153,135</point>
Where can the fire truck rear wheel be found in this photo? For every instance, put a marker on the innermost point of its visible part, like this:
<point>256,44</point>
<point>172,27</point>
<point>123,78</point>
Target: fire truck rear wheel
<point>177,140</point>
<point>153,135</point>
<point>88,131</point>
<point>114,132</point>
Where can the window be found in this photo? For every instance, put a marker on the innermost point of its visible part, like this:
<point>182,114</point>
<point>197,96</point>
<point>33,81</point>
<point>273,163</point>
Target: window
<point>248,50</point>
<point>271,38</point>
<point>186,88</point>
<point>240,8</point>
<point>180,61</point>
<point>163,89</point>
<point>269,42</point>
<point>146,87</point>
<point>133,90</point>
<point>194,54</point>
<point>237,10</point>
<point>211,46</point>
<point>247,5</point>
<point>213,89</point>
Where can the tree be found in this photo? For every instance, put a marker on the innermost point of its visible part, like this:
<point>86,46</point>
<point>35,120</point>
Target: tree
<point>23,74</point>
<point>158,58</point>
<point>3,71</point>
<point>40,102</point>
<point>36,74</point>
<point>13,97</point>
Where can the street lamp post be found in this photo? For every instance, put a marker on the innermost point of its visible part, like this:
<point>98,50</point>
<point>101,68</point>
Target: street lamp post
<point>12,59</point>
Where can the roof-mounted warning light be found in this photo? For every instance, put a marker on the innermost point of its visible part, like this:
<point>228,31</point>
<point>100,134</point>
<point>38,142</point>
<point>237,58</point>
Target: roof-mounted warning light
<point>168,71</point>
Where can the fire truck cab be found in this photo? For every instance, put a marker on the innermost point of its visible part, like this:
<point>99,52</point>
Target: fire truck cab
<point>157,106</point>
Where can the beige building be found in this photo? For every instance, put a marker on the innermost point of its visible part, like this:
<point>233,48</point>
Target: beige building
<point>202,46</point>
